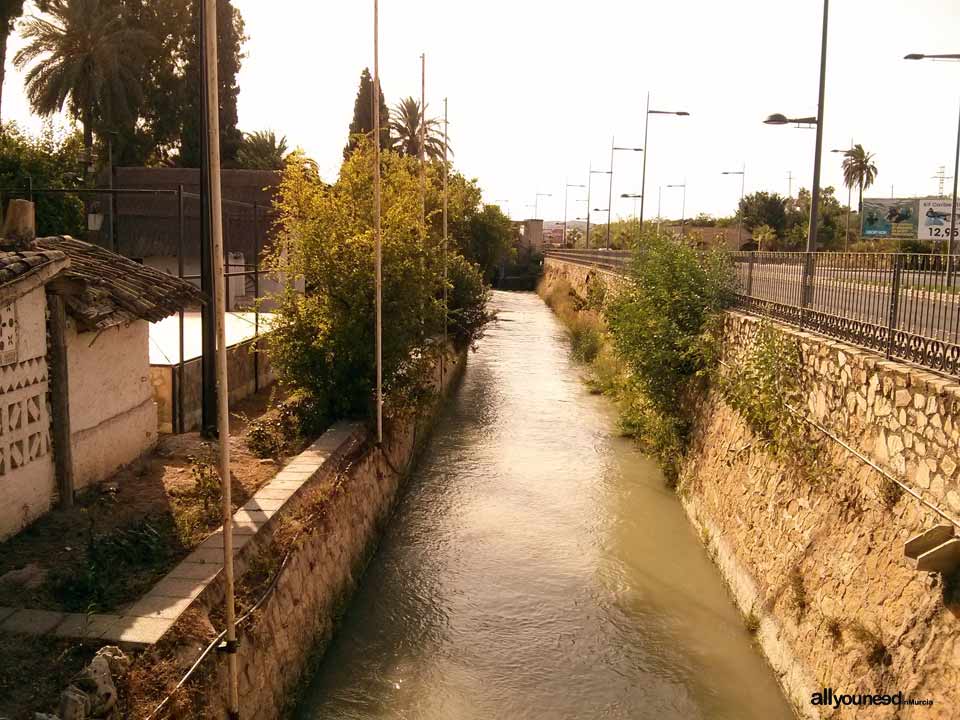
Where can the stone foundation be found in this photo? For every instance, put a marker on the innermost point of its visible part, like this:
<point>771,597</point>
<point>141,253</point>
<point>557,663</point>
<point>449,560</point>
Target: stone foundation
<point>819,560</point>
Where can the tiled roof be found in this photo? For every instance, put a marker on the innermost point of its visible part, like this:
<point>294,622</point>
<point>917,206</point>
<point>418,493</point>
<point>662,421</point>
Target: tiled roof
<point>19,265</point>
<point>115,289</point>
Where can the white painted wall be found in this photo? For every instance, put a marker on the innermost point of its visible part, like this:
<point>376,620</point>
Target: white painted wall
<point>113,417</point>
<point>27,486</point>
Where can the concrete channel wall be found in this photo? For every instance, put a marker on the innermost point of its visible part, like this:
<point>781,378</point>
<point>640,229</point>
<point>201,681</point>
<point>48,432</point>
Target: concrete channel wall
<point>294,626</point>
<point>816,561</point>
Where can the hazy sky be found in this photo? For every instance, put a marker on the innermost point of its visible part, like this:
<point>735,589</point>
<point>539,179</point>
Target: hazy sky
<point>537,88</point>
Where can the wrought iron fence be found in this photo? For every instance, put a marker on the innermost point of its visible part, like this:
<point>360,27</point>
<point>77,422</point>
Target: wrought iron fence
<point>904,305</point>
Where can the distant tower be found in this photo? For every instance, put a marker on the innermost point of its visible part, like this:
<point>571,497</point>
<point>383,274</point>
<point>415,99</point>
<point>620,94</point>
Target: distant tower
<point>940,177</point>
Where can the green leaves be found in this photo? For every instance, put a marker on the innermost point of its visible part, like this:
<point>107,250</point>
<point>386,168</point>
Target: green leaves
<point>323,342</point>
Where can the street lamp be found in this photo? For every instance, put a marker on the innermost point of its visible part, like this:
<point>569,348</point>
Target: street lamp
<point>613,149</point>
<point>683,207</point>
<point>635,196</point>
<point>646,148</point>
<point>778,119</point>
<point>743,181</point>
<point>956,169</point>
<point>589,188</point>
<point>566,193</point>
<point>846,238</point>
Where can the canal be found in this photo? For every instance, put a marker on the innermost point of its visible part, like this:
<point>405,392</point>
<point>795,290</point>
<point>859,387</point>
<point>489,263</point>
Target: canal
<point>537,567</point>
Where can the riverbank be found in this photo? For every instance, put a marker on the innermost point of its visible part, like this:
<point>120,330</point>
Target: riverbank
<point>536,567</point>
<point>810,537</point>
<point>300,574</point>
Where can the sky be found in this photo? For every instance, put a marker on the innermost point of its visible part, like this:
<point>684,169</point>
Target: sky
<point>538,88</point>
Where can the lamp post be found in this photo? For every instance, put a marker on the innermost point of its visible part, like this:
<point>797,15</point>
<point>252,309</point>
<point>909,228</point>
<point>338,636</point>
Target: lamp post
<point>683,207</point>
<point>778,119</point>
<point>635,196</point>
<point>646,146</point>
<point>566,195</point>
<point>846,237</point>
<point>589,189</point>
<point>743,182</point>
<point>614,149</point>
<point>956,169</point>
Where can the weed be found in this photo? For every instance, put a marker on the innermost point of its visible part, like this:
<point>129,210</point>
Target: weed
<point>282,429</point>
<point>890,492</point>
<point>877,654</point>
<point>835,630</point>
<point>799,591</point>
<point>752,623</point>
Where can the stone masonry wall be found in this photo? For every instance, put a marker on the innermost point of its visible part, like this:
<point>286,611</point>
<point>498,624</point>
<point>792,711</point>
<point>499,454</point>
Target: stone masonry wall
<point>294,626</point>
<point>819,561</point>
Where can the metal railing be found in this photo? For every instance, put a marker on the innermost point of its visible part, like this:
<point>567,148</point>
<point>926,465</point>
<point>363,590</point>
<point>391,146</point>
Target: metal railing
<point>904,305</point>
<point>612,260</point>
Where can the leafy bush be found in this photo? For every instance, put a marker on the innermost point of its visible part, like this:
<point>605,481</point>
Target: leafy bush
<point>322,342</point>
<point>659,325</point>
<point>467,299</point>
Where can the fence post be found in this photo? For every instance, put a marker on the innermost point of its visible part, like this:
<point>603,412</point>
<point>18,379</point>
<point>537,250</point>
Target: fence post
<point>894,301</point>
<point>750,261</point>
<point>806,287</point>
<point>256,297</point>
<point>181,426</point>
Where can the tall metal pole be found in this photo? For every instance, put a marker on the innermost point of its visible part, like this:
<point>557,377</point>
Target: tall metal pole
<point>643,182</point>
<point>589,187</point>
<point>610,194</point>
<point>208,311</point>
<point>659,199</point>
<point>566,194</point>
<point>212,159</point>
<point>743,188</point>
<point>815,193</point>
<point>377,253</point>
<point>446,124</point>
<point>953,209</point>
<point>683,210</point>
<point>423,154</point>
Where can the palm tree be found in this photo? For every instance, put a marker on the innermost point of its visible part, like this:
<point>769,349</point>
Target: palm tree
<point>405,124</point>
<point>262,150</point>
<point>858,169</point>
<point>83,55</point>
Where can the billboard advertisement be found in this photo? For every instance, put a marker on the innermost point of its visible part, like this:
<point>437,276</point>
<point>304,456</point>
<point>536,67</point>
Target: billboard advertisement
<point>889,218</point>
<point>934,215</point>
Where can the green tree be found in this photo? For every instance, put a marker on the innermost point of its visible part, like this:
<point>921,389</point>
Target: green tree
<point>49,160</point>
<point>765,237</point>
<point>81,54</point>
<point>763,208</point>
<point>574,237</point>
<point>488,240</point>
<point>829,222</point>
<point>405,125</point>
<point>322,342</point>
<point>363,119</point>
<point>859,169</point>
<point>230,39</point>
<point>262,150</point>
<point>10,10</point>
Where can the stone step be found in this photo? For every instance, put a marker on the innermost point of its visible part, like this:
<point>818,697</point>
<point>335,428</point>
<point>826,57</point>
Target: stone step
<point>935,550</point>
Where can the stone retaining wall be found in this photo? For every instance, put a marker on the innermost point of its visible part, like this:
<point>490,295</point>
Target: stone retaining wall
<point>294,626</point>
<point>819,561</point>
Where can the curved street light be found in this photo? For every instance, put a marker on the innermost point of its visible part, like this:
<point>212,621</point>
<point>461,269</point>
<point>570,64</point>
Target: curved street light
<point>646,147</point>
<point>614,148</point>
<point>743,183</point>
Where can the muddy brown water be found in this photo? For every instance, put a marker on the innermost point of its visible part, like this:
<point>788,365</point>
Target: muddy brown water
<point>537,567</point>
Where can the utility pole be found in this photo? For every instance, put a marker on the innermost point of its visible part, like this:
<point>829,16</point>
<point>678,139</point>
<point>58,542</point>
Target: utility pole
<point>208,311</point>
<point>446,124</point>
<point>423,154</point>
<point>377,253</point>
<point>212,160</point>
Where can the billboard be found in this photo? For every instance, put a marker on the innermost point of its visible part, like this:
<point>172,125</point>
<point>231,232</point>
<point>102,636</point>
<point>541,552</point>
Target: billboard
<point>889,218</point>
<point>934,215</point>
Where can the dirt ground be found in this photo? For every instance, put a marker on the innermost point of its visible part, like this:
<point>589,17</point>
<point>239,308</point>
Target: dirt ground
<point>124,535</point>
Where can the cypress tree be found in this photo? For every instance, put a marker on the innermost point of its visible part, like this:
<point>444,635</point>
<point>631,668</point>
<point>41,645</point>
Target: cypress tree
<point>362,123</point>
